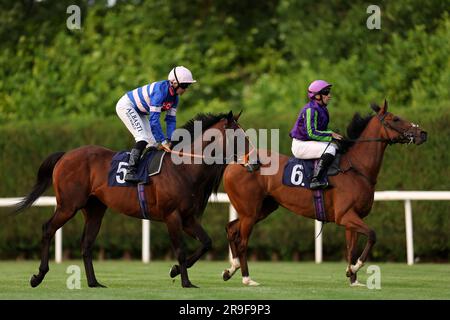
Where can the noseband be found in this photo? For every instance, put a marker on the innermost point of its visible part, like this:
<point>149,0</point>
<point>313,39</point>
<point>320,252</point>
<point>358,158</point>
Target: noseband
<point>404,134</point>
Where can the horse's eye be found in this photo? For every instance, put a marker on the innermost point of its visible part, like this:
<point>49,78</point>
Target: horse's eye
<point>396,119</point>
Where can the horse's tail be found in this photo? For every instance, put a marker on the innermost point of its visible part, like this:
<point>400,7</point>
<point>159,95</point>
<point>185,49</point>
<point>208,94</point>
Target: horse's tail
<point>44,180</point>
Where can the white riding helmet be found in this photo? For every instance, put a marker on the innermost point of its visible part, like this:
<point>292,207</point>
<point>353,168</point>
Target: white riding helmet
<point>181,74</point>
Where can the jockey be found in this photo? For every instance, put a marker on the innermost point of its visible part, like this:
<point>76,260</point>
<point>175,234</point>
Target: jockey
<point>310,137</point>
<point>152,99</point>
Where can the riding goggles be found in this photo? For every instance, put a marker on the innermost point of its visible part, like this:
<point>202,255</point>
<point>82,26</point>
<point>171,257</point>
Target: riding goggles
<point>184,85</point>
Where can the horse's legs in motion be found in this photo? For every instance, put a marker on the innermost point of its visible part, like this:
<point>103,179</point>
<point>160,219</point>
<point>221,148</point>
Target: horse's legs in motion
<point>174,227</point>
<point>239,231</point>
<point>93,215</point>
<point>352,240</point>
<point>59,218</point>
<point>246,227</point>
<point>354,223</point>
<point>232,230</point>
<point>193,228</point>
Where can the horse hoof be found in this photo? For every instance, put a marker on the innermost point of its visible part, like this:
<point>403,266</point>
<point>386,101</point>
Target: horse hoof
<point>226,275</point>
<point>357,284</point>
<point>97,285</point>
<point>189,285</point>
<point>35,281</point>
<point>174,271</point>
<point>250,282</point>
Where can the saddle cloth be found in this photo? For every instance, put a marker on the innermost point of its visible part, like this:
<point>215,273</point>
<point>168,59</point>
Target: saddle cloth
<point>299,172</point>
<point>150,165</point>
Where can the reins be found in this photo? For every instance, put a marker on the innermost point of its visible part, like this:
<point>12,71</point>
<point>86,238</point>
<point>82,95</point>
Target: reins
<point>389,141</point>
<point>245,158</point>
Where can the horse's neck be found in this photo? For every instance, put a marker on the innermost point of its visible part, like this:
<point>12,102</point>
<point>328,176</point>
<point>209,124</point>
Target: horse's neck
<point>367,157</point>
<point>201,173</point>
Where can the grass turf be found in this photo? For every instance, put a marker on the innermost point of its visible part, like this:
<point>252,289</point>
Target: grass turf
<point>279,280</point>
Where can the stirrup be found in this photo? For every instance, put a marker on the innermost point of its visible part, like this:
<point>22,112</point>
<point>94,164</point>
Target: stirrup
<point>131,177</point>
<point>316,184</point>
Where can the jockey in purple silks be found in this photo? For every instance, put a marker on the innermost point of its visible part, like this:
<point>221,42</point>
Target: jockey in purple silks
<point>311,138</point>
<point>150,100</point>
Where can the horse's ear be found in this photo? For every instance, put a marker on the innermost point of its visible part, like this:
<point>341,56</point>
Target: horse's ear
<point>384,108</point>
<point>236,117</point>
<point>230,116</point>
<point>375,107</point>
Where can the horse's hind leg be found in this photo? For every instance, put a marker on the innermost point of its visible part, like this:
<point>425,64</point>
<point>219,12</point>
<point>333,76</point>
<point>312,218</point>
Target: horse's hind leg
<point>60,217</point>
<point>232,230</point>
<point>93,214</point>
<point>193,228</point>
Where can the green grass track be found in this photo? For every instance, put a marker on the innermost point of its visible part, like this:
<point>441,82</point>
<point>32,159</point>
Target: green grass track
<point>279,280</point>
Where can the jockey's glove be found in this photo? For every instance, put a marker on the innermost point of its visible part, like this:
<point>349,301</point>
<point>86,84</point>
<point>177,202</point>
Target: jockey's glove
<point>165,145</point>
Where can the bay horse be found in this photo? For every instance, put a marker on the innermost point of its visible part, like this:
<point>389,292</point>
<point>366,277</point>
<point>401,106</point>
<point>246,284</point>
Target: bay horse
<point>176,196</point>
<point>348,201</point>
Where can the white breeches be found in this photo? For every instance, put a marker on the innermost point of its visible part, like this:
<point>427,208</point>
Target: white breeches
<point>136,123</point>
<point>312,149</point>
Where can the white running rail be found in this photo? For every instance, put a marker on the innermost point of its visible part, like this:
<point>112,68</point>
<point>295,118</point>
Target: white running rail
<point>406,196</point>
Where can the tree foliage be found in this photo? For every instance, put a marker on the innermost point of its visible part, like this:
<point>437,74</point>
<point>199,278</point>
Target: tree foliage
<point>59,87</point>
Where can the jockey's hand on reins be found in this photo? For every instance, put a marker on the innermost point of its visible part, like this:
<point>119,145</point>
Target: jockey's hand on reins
<point>165,145</point>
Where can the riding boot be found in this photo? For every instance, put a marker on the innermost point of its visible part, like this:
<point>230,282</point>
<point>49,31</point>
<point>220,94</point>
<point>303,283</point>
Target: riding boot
<point>135,156</point>
<point>322,166</point>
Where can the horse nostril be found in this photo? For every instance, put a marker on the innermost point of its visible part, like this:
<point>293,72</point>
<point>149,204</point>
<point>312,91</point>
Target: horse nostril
<point>423,135</point>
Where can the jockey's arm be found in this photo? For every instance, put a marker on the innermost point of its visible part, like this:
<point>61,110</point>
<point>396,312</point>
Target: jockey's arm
<point>171,122</point>
<point>155,125</point>
<point>311,123</point>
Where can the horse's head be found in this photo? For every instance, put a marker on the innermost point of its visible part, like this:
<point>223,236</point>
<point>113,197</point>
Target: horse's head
<point>235,142</point>
<point>398,130</point>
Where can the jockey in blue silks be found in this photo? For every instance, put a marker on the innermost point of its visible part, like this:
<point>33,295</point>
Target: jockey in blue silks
<point>150,100</point>
<point>311,138</point>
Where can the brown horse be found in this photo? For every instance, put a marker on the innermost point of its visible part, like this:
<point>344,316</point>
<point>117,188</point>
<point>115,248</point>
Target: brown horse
<point>348,201</point>
<point>177,196</point>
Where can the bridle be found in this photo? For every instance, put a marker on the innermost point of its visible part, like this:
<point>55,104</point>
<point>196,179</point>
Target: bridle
<point>403,135</point>
<point>234,156</point>
<point>246,163</point>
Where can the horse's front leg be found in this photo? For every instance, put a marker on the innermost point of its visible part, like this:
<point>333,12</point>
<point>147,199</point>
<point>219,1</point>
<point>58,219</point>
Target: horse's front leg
<point>352,240</point>
<point>232,230</point>
<point>194,229</point>
<point>354,225</point>
<point>175,228</point>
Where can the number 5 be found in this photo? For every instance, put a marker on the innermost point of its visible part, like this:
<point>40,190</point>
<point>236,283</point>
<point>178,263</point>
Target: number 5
<point>121,172</point>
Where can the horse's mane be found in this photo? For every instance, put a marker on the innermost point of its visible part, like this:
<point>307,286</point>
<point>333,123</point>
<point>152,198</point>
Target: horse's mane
<point>207,120</point>
<point>354,130</point>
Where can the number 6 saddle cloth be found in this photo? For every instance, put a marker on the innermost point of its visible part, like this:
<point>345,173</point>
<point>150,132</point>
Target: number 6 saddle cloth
<point>299,172</point>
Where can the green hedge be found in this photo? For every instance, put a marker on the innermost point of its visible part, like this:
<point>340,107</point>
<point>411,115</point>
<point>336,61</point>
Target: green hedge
<point>282,236</point>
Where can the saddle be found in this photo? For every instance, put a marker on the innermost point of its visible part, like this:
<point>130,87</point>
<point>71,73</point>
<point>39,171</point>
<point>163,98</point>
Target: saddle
<point>149,165</point>
<point>299,172</point>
